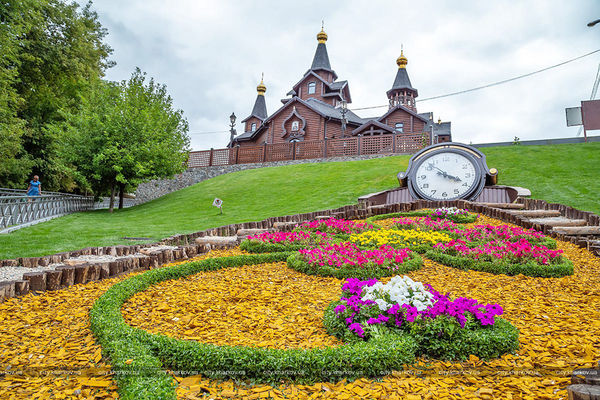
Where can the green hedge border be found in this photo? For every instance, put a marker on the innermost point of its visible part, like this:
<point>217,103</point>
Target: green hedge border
<point>485,342</point>
<point>144,377</point>
<point>531,268</point>
<point>295,262</point>
<point>256,246</point>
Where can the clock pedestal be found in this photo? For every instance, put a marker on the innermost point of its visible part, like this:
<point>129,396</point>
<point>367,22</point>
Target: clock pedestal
<point>489,194</point>
<point>446,172</point>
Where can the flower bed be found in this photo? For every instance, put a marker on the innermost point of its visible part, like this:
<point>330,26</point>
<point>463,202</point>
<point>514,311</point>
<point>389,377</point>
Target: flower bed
<point>503,257</point>
<point>345,260</point>
<point>270,242</point>
<point>457,216</point>
<point>416,240</point>
<point>334,226</point>
<point>442,327</point>
<point>139,357</point>
<point>454,214</point>
<point>502,249</point>
<point>485,233</point>
<point>426,224</point>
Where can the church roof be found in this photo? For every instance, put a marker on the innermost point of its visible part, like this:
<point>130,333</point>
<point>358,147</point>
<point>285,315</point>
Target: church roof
<point>259,110</point>
<point>321,58</point>
<point>332,112</point>
<point>408,110</point>
<point>337,85</point>
<point>372,122</point>
<point>402,80</point>
<point>317,106</point>
<point>260,106</point>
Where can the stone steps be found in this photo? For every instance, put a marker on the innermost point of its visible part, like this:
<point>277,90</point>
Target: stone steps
<point>536,213</point>
<point>558,221</point>
<point>504,206</point>
<point>577,230</point>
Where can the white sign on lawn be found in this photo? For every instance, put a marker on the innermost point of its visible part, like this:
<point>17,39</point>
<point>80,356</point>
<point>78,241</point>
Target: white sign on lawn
<point>217,202</point>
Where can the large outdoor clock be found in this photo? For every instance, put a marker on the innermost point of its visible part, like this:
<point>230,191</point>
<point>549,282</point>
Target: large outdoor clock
<point>447,171</point>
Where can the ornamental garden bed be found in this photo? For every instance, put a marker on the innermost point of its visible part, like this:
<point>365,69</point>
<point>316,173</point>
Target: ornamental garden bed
<point>344,260</point>
<point>384,326</point>
<point>442,328</point>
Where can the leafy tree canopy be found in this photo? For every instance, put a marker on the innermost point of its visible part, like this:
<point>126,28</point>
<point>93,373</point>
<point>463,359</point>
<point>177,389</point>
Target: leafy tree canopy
<point>125,133</point>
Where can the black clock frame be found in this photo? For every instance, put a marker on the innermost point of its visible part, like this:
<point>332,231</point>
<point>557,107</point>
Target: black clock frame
<point>484,174</point>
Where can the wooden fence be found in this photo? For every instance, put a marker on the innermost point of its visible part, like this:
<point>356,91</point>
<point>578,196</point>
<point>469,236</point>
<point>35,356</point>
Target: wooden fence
<point>16,208</point>
<point>352,146</point>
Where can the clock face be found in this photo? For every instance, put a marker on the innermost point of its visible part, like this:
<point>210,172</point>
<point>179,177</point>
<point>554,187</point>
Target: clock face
<point>446,175</point>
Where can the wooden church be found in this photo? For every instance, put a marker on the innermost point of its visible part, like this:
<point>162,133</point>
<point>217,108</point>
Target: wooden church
<point>316,110</point>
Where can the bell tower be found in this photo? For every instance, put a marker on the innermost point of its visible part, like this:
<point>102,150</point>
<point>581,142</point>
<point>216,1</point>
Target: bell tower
<point>402,93</point>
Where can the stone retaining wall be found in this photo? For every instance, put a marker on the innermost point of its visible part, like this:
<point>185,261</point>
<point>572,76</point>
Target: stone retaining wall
<point>159,187</point>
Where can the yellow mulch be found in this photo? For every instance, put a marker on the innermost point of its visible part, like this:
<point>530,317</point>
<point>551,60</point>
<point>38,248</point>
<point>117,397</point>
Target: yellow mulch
<point>559,321</point>
<point>47,350</point>
<point>230,306</point>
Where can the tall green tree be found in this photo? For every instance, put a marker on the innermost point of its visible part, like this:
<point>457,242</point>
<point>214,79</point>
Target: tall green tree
<point>53,50</point>
<point>14,164</point>
<point>125,133</point>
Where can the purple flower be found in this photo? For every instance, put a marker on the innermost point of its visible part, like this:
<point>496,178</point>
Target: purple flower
<point>340,309</point>
<point>357,328</point>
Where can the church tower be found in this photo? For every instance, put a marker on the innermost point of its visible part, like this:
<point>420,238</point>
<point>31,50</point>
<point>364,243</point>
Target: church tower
<point>402,93</point>
<point>259,111</point>
<point>320,64</point>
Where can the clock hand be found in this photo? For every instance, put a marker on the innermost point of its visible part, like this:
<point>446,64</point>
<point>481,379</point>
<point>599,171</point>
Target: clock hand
<point>445,174</point>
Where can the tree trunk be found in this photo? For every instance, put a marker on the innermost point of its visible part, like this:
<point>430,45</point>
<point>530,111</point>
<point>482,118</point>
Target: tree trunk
<point>111,206</point>
<point>121,195</point>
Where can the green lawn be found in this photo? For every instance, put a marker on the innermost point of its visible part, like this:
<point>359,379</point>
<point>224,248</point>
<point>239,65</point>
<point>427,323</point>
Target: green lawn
<point>562,173</point>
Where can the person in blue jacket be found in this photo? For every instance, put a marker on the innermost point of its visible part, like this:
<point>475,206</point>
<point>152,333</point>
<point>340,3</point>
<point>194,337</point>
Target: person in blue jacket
<point>35,187</point>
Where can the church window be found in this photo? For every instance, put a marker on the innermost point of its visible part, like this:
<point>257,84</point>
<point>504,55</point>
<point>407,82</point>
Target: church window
<point>253,127</point>
<point>295,126</point>
<point>399,127</point>
<point>312,87</point>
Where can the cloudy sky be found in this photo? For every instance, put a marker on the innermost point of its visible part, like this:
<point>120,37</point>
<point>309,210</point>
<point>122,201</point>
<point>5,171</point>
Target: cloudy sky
<point>211,54</point>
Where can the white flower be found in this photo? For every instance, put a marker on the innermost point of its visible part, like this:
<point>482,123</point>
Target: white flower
<point>400,290</point>
<point>383,305</point>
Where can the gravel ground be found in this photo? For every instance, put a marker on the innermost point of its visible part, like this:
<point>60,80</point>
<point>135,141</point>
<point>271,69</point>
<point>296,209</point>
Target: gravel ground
<point>16,273</point>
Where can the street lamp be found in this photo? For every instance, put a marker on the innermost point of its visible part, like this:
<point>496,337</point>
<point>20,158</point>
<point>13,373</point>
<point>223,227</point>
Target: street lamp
<point>593,23</point>
<point>232,118</point>
<point>344,119</point>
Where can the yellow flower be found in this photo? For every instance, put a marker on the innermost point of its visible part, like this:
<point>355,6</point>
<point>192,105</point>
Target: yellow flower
<point>399,237</point>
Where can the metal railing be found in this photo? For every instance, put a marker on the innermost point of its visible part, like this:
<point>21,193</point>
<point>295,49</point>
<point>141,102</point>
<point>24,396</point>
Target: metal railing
<point>18,209</point>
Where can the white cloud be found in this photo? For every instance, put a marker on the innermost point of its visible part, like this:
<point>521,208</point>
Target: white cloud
<point>211,54</point>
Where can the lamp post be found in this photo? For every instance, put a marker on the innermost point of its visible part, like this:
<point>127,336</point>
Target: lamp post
<point>232,119</point>
<point>344,119</point>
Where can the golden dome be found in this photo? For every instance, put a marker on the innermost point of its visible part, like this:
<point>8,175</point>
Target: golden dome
<point>322,36</point>
<point>401,61</point>
<point>261,88</point>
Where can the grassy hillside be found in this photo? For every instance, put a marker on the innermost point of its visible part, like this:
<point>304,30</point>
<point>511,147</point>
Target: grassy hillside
<point>562,173</point>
